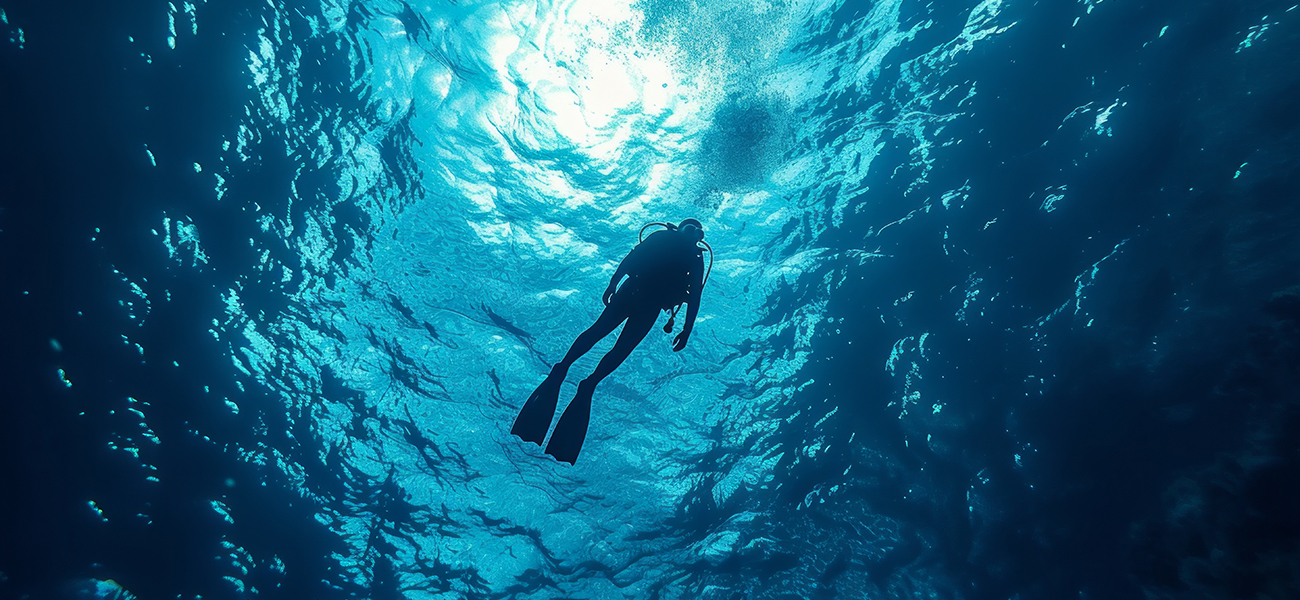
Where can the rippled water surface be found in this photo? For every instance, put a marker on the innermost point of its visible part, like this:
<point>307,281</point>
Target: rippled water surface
<point>1003,304</point>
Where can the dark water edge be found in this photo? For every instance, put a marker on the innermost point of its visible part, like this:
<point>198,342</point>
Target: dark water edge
<point>1169,472</point>
<point>1167,443</point>
<point>1159,454</point>
<point>74,164</point>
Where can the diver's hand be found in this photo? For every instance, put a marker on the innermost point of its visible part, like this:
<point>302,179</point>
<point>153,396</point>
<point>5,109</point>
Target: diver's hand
<point>609,294</point>
<point>679,342</point>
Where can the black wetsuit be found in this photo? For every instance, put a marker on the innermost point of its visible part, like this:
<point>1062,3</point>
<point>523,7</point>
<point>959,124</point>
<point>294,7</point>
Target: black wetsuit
<point>663,271</point>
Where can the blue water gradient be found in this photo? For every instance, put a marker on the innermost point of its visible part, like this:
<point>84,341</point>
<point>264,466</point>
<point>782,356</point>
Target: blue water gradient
<point>970,259</point>
<point>494,161</point>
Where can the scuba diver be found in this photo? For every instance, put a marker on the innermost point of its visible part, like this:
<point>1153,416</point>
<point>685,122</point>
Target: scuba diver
<point>663,271</point>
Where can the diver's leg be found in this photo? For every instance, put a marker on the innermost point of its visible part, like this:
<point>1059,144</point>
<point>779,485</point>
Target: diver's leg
<point>570,432</point>
<point>535,417</point>
<point>608,320</point>
<point>638,325</point>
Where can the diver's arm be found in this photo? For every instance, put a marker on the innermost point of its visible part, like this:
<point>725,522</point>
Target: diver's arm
<point>633,262</point>
<point>692,307</point>
<point>619,273</point>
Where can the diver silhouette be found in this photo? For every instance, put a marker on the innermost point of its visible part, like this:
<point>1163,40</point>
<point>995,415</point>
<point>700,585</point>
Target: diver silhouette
<point>663,271</point>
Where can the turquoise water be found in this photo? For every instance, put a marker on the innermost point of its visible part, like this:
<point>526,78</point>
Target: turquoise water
<point>504,155</point>
<point>987,278</point>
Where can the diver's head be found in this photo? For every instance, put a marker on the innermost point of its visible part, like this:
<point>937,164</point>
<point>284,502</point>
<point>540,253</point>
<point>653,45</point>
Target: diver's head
<point>696,228</point>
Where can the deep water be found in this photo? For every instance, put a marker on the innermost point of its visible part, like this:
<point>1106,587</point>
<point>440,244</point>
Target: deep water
<point>1006,300</point>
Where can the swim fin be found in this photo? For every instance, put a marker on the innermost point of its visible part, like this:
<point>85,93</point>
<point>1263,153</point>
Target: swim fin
<point>535,417</point>
<point>570,432</point>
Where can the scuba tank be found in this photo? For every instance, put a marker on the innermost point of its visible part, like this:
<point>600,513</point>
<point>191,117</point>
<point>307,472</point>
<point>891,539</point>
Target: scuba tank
<point>672,316</point>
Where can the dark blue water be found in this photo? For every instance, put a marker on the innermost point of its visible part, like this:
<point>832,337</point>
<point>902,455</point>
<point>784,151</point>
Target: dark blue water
<point>1006,301</point>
